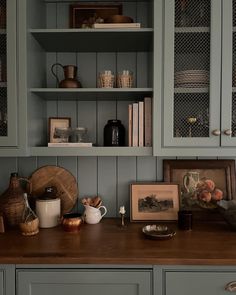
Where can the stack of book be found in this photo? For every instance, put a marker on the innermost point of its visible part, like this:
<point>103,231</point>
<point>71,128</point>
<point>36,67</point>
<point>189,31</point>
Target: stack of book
<point>140,123</point>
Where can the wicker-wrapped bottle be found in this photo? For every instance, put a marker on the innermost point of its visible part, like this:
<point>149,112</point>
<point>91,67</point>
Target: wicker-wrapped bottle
<point>12,202</point>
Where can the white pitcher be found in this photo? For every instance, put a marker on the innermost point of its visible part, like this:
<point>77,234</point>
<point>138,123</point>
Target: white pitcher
<point>93,215</point>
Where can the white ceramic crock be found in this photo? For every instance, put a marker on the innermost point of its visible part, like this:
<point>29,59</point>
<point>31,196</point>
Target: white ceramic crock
<point>48,212</point>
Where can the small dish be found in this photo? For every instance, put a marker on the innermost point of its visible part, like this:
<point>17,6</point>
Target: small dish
<point>158,232</point>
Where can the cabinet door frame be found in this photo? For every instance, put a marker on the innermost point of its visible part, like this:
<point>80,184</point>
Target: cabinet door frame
<point>7,279</point>
<point>227,60</point>
<point>168,140</point>
<point>11,138</point>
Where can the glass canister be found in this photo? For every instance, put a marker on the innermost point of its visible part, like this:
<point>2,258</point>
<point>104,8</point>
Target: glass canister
<point>106,79</point>
<point>125,79</point>
<point>81,134</point>
<point>114,133</point>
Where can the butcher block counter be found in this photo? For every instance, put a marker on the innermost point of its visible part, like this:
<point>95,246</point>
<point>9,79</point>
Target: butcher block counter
<point>108,243</point>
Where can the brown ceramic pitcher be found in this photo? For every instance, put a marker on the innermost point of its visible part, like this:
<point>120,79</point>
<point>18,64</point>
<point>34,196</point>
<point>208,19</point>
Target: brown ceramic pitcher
<point>70,73</point>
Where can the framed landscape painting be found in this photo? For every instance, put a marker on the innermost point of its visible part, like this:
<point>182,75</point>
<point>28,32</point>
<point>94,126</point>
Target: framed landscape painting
<point>154,201</point>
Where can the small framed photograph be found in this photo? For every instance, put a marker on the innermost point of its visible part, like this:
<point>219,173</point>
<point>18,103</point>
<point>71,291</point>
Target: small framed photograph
<point>154,201</point>
<point>57,122</point>
<point>86,15</point>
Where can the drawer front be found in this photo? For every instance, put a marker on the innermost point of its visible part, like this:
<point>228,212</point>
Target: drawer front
<point>83,282</point>
<point>198,283</point>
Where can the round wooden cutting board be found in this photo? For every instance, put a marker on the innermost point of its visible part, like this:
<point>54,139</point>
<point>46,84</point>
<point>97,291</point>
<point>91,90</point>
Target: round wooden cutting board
<point>62,179</point>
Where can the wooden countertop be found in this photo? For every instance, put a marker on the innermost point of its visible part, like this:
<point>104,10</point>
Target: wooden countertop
<point>107,243</point>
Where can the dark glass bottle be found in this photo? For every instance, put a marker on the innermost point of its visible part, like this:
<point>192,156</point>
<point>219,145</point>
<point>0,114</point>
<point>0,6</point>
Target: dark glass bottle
<point>12,202</point>
<point>114,133</point>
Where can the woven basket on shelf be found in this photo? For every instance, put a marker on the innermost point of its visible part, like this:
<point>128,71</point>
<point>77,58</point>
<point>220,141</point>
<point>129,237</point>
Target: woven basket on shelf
<point>30,228</point>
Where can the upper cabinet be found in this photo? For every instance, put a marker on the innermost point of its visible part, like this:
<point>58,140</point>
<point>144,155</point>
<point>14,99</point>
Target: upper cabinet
<point>46,38</point>
<point>8,72</point>
<point>198,102</point>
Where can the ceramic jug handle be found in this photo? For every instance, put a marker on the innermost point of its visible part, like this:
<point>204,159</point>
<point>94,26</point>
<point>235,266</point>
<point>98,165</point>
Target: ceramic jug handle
<point>185,179</point>
<point>53,72</point>
<point>105,210</point>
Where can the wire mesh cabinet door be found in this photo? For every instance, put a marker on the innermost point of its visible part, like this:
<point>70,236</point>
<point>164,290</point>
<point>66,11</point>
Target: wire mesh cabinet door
<point>8,96</point>
<point>229,73</point>
<point>192,73</point>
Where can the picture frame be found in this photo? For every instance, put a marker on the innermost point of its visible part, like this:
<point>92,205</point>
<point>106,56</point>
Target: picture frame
<point>202,182</point>
<point>154,201</point>
<point>85,15</point>
<point>54,122</point>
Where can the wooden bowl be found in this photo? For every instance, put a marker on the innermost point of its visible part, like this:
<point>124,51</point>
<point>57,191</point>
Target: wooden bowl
<point>117,18</point>
<point>30,228</point>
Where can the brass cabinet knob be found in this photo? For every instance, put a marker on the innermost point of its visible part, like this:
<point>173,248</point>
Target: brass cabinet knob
<point>228,132</point>
<point>216,132</point>
<point>231,287</point>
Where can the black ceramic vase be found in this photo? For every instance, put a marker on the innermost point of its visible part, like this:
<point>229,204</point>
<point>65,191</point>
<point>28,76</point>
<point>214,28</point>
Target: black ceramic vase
<point>114,133</point>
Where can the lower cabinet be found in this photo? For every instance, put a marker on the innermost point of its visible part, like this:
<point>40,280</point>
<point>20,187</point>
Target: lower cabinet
<point>7,280</point>
<point>84,282</point>
<point>197,280</point>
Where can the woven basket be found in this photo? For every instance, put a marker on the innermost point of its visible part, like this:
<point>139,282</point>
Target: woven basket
<point>125,80</point>
<point>30,228</point>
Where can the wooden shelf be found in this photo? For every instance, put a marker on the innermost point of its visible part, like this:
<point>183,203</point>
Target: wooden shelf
<point>92,40</point>
<point>92,93</point>
<point>91,151</point>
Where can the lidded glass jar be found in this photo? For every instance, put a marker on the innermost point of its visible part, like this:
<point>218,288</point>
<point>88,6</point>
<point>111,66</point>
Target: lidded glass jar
<point>81,134</point>
<point>114,133</point>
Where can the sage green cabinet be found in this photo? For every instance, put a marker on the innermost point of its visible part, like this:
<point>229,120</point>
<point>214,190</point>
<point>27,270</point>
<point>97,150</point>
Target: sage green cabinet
<point>46,38</point>
<point>195,280</point>
<point>199,116</point>
<point>7,280</point>
<point>8,75</point>
<point>84,281</point>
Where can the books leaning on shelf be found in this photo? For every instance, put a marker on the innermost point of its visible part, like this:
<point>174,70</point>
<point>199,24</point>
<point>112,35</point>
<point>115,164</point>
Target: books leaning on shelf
<point>140,123</point>
<point>70,144</point>
<point>116,25</point>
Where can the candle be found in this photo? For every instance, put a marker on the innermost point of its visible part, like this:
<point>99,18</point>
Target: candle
<point>122,210</point>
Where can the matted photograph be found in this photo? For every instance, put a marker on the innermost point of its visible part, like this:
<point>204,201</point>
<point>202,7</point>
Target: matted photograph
<point>154,201</point>
<point>56,124</point>
<point>202,182</point>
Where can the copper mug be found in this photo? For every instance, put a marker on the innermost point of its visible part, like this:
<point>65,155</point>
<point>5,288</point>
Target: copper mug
<point>71,222</point>
<point>70,73</point>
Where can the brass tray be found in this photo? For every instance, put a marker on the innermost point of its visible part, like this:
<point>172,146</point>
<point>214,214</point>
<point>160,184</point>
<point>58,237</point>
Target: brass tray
<point>158,232</point>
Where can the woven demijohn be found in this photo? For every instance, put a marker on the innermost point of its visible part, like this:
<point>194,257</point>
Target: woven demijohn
<point>12,202</point>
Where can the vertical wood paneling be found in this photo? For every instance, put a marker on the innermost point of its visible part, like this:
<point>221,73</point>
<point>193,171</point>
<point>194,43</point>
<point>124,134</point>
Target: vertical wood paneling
<point>51,59</point>
<point>26,166</point>
<point>107,183</point>
<point>106,61</point>
<point>126,173</point>
<point>87,71</point>
<point>51,15</point>
<point>43,161</point>
<point>146,169</point>
<point>87,118</point>
<point>142,74</point>
<point>68,109</point>
<point>63,15</point>
<point>130,9</point>
<point>143,15</point>
<point>127,61</point>
<point>87,176</point>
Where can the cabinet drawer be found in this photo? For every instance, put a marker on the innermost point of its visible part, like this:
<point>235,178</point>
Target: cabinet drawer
<point>75,282</point>
<point>197,282</point>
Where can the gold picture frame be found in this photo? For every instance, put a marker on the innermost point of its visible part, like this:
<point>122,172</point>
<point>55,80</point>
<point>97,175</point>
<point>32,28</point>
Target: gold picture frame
<point>154,201</point>
<point>54,122</point>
